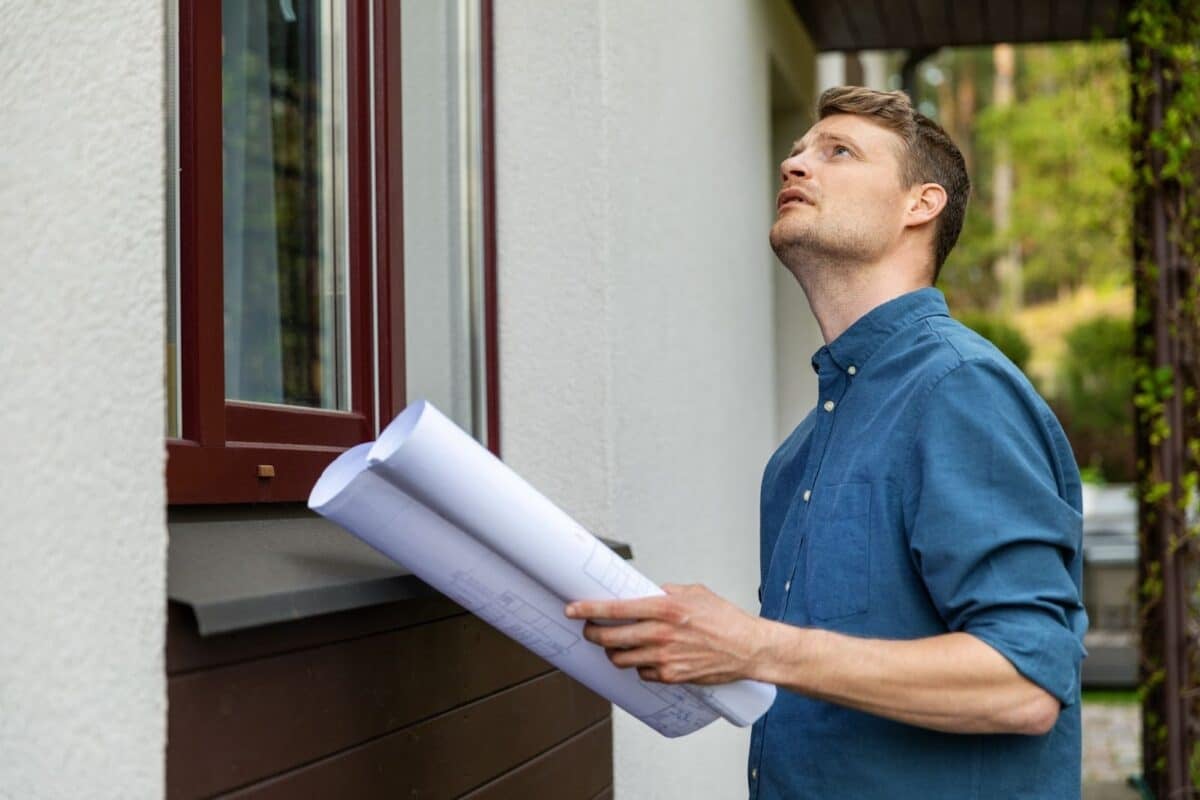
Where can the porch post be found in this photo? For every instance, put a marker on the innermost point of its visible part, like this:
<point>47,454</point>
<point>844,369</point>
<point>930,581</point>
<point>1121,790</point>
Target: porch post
<point>1168,431</point>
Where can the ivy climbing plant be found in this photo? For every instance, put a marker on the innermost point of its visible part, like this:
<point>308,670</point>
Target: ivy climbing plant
<point>1164,44</point>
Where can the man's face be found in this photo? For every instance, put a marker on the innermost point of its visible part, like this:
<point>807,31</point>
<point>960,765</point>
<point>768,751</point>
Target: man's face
<point>840,199</point>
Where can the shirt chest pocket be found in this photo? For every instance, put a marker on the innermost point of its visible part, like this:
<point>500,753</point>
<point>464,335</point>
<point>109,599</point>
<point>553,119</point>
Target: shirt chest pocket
<point>838,564</point>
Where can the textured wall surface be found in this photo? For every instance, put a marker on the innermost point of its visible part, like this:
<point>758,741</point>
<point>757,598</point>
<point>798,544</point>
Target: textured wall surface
<point>635,191</point>
<point>82,578</point>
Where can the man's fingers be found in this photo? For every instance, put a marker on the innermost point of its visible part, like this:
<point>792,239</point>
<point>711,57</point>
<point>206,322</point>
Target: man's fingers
<point>637,657</point>
<point>648,673</point>
<point>680,588</point>
<point>642,608</point>
<point>633,634</point>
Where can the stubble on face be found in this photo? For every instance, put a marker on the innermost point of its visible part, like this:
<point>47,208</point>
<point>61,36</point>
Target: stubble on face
<point>821,248</point>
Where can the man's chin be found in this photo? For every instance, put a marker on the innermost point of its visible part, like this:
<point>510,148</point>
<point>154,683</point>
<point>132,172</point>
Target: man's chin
<point>796,245</point>
<point>789,234</point>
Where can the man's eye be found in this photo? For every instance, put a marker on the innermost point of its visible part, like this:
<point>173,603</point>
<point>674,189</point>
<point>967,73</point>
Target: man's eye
<point>838,147</point>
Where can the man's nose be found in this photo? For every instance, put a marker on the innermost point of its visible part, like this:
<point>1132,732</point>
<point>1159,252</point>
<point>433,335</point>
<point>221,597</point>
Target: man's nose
<point>794,167</point>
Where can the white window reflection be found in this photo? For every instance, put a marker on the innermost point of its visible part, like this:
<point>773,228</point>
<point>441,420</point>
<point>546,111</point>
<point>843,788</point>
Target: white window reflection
<point>443,210</point>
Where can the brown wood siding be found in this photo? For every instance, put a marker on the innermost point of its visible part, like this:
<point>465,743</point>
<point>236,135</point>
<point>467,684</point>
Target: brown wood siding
<point>416,698</point>
<point>576,768</point>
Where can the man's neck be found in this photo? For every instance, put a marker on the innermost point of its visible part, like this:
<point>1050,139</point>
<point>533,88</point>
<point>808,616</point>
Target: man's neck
<point>840,297</point>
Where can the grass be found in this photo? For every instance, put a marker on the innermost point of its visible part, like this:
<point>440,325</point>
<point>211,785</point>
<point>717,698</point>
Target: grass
<point>1111,697</point>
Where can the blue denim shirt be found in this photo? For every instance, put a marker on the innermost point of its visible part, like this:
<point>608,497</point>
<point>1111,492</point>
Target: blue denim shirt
<point>930,490</point>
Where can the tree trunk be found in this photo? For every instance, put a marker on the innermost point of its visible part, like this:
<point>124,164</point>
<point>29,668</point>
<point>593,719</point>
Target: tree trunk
<point>1007,267</point>
<point>965,105</point>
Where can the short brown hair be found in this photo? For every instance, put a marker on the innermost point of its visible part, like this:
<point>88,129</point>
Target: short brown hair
<point>927,156</point>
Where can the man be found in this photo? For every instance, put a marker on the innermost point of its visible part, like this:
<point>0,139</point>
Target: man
<point>920,529</point>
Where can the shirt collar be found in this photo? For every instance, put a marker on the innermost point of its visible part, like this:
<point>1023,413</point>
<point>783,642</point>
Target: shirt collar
<point>859,342</point>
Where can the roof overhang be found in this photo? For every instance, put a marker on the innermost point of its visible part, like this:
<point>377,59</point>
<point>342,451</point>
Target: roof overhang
<point>929,24</point>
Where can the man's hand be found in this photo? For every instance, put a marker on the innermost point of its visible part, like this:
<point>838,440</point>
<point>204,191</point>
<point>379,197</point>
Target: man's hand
<point>691,635</point>
<point>949,682</point>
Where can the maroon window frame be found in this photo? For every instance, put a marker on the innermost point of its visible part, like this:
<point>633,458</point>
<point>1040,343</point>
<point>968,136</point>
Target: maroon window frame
<point>236,452</point>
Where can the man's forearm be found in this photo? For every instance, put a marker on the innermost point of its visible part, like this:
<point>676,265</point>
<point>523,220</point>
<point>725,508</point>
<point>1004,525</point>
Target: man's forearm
<point>953,682</point>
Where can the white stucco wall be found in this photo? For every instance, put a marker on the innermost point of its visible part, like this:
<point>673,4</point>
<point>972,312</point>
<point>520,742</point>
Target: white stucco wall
<point>82,691</point>
<point>797,335</point>
<point>637,343</point>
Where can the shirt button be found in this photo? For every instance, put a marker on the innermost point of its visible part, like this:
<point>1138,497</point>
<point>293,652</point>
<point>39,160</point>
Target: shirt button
<point>787,587</point>
<point>807,494</point>
<point>829,405</point>
<point>853,370</point>
<point>754,774</point>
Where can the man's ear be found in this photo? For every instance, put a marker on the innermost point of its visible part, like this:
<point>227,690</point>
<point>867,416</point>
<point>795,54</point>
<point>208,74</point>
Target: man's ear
<point>925,202</point>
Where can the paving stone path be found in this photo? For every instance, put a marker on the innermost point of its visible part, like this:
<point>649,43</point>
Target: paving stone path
<point>1111,749</point>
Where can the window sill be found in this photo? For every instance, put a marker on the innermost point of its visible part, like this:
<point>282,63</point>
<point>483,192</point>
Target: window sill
<point>246,566</point>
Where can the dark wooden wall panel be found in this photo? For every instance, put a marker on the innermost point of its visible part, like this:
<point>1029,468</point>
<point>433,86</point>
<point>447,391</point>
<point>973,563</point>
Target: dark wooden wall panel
<point>233,725</point>
<point>577,769</point>
<point>450,754</point>
<point>187,650</point>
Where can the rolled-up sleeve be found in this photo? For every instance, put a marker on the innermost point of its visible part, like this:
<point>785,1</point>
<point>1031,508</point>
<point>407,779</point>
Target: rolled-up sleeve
<point>992,529</point>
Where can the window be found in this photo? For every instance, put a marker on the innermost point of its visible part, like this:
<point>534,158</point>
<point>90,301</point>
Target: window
<point>443,252</point>
<point>290,309</point>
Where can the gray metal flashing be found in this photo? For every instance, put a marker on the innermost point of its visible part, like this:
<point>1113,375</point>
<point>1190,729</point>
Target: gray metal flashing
<point>240,568</point>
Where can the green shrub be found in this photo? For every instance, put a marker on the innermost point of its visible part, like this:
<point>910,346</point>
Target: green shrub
<point>1095,395</point>
<point>1007,338</point>
<point>1096,375</point>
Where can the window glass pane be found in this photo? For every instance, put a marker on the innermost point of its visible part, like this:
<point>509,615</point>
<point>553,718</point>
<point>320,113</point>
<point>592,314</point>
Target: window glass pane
<point>285,324</point>
<point>442,208</point>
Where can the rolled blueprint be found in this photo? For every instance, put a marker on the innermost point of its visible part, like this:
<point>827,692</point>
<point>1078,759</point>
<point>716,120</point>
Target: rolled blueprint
<point>439,464</point>
<point>363,502</point>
